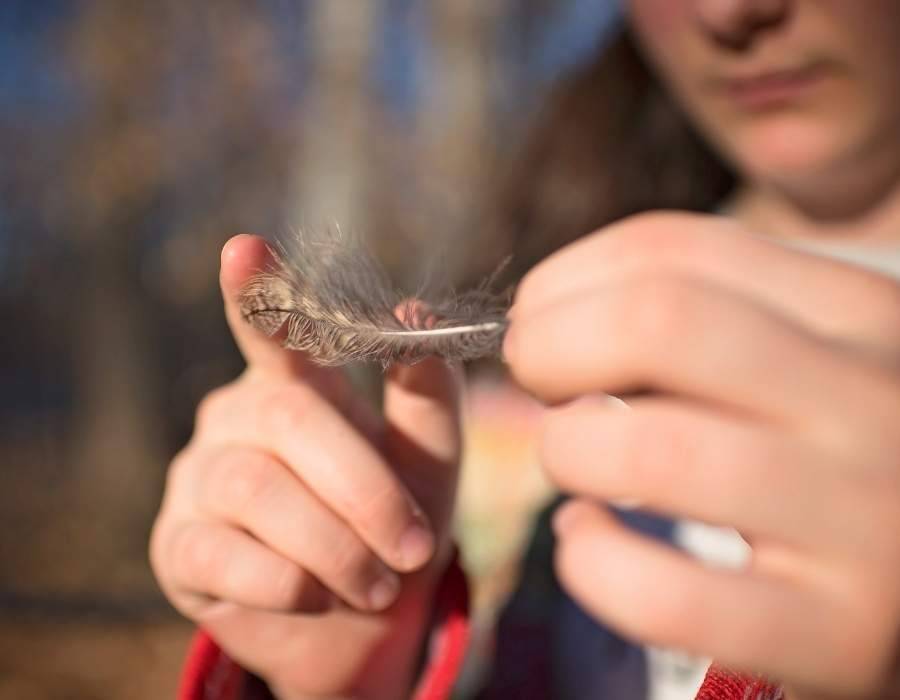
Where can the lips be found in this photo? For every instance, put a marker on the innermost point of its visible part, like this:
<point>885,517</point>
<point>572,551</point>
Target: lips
<point>771,88</point>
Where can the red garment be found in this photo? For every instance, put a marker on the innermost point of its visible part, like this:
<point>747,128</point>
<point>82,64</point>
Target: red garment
<point>721,684</point>
<point>210,675</point>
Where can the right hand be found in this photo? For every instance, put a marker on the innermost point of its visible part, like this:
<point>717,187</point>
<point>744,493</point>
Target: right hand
<point>286,519</point>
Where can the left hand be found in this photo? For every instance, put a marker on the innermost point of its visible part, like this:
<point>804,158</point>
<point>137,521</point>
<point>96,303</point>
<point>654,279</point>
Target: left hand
<point>769,402</point>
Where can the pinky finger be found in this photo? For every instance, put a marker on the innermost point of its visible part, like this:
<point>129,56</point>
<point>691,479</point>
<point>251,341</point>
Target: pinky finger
<point>651,592</point>
<point>214,561</point>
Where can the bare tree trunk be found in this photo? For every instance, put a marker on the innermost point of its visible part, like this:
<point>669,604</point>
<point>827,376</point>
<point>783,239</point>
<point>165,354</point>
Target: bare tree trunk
<point>117,439</point>
<point>332,166</point>
<point>455,123</point>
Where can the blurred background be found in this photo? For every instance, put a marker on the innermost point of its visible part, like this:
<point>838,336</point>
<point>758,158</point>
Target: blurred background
<point>136,137</point>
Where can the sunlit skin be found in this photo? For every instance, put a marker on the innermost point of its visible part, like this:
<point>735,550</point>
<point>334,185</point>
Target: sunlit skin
<point>288,519</point>
<point>764,392</point>
<point>802,97</point>
<point>768,390</point>
<point>768,377</point>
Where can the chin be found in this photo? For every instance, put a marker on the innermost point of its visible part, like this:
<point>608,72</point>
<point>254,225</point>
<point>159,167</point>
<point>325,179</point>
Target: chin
<point>789,148</point>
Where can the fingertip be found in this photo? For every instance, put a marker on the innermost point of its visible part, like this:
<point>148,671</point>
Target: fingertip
<point>415,313</point>
<point>236,248</point>
<point>582,529</point>
<point>242,256</point>
<point>417,544</point>
<point>567,517</point>
<point>577,515</point>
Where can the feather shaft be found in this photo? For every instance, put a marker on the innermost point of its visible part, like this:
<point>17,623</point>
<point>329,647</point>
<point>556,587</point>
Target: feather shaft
<point>453,330</point>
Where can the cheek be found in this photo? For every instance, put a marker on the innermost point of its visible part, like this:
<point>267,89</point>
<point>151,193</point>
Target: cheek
<point>864,38</point>
<point>864,107</point>
<point>873,25</point>
<point>872,31</point>
<point>658,23</point>
<point>668,37</point>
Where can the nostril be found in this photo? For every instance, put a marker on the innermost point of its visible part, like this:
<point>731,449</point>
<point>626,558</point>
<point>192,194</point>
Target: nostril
<point>738,23</point>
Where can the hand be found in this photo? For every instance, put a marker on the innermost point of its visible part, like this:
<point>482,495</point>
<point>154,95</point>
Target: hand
<point>291,511</point>
<point>769,399</point>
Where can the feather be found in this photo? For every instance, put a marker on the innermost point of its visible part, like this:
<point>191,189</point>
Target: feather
<point>330,299</point>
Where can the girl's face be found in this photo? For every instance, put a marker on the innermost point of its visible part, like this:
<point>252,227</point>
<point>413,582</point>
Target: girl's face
<point>789,90</point>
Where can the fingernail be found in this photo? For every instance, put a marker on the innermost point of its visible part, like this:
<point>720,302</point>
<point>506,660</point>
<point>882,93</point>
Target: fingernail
<point>616,402</point>
<point>416,546</point>
<point>384,591</point>
<point>603,402</point>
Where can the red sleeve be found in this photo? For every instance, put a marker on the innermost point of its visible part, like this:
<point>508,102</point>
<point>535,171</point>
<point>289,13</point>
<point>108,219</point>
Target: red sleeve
<point>209,674</point>
<point>721,684</point>
<point>449,638</point>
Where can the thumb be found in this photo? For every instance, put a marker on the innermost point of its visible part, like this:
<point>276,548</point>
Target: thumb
<point>243,257</point>
<point>423,437</point>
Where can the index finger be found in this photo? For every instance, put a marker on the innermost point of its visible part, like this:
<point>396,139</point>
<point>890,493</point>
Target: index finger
<point>829,296</point>
<point>679,337</point>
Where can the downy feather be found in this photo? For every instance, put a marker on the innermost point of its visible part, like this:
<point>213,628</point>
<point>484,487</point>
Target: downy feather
<point>330,299</point>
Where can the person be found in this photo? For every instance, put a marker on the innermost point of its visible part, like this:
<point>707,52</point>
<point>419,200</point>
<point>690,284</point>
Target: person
<point>310,536</point>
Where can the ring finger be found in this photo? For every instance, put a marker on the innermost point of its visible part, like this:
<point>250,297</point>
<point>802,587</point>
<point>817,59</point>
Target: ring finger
<point>256,492</point>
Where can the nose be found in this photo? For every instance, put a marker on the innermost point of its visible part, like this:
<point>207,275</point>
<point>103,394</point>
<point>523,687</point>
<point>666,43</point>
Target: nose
<point>735,23</point>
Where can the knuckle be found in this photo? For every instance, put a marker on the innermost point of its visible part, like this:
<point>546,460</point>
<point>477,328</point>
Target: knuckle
<point>868,436</point>
<point>288,587</point>
<point>197,555</point>
<point>213,407</point>
<point>643,449</point>
<point>647,232</point>
<point>656,308</point>
<point>350,561</point>
<point>241,479</point>
<point>659,461</point>
<point>379,509</point>
<point>865,648</point>
<point>287,409</point>
<point>658,236</point>
<point>867,306</point>
<point>180,471</point>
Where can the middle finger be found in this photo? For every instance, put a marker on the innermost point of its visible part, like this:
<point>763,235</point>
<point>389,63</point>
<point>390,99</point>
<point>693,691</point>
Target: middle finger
<point>255,492</point>
<point>684,460</point>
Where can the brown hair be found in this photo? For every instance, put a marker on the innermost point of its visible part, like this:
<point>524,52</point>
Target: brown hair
<point>609,142</point>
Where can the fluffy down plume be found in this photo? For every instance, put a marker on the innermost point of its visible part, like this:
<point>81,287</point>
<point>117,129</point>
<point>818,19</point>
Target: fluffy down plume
<point>335,303</point>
